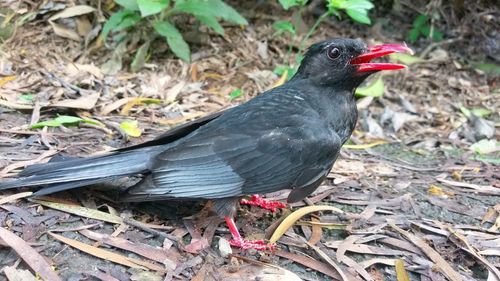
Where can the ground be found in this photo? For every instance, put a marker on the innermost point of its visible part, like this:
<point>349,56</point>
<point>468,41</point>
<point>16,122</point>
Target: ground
<point>409,189</point>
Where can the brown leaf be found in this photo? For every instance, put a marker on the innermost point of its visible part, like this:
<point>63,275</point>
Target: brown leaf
<point>14,274</point>
<point>441,263</point>
<point>144,250</point>
<point>35,261</point>
<point>107,255</point>
<point>86,102</point>
<point>309,263</point>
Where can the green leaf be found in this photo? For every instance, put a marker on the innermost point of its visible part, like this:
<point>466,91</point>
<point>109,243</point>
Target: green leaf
<point>119,21</point>
<point>212,8</point>
<point>151,7</point>
<point>360,16</point>
<point>280,69</point>
<point>287,4</point>
<point>140,57</point>
<point>489,68</point>
<point>211,22</point>
<point>27,97</point>
<point>174,39</point>
<point>437,35</point>
<point>358,5</point>
<point>413,35</point>
<point>62,120</point>
<point>420,21</point>
<point>485,146</point>
<point>235,94</point>
<point>405,58</point>
<point>477,111</point>
<point>284,26</point>
<point>375,89</point>
<point>128,4</point>
<point>131,128</point>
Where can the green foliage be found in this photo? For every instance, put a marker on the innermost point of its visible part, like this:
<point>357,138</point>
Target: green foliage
<point>236,93</point>
<point>287,4</point>
<point>356,9</point>
<point>62,120</point>
<point>374,89</point>
<point>421,28</point>
<point>149,19</point>
<point>284,26</point>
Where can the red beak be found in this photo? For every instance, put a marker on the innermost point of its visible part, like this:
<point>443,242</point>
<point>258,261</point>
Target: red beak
<point>363,60</point>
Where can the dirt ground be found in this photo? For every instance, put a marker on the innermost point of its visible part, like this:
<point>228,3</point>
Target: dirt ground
<point>411,188</point>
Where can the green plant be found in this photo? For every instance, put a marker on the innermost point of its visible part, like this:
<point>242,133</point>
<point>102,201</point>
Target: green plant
<point>356,9</point>
<point>148,19</point>
<point>423,28</point>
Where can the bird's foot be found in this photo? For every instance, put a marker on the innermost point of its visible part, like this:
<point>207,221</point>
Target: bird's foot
<point>238,241</point>
<point>257,200</point>
<point>259,245</point>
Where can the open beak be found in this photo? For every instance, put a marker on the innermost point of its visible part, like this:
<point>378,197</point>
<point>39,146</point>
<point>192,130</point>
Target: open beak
<point>377,51</point>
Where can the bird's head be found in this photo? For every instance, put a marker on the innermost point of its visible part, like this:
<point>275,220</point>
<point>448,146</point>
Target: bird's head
<point>345,62</point>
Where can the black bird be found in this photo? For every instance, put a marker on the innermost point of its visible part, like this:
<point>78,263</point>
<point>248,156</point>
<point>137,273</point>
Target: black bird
<point>286,138</point>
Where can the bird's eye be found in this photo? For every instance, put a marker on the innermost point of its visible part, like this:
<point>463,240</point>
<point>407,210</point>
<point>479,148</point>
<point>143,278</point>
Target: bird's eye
<point>333,53</point>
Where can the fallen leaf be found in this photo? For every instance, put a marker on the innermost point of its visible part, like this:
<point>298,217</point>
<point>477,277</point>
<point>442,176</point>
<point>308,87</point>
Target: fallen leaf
<point>441,263</point>
<point>32,258</point>
<point>81,211</point>
<point>73,11</point>
<point>87,102</point>
<point>309,263</point>
<point>13,197</point>
<point>131,128</point>
<point>290,220</point>
<point>401,273</point>
<point>14,274</point>
<point>374,89</point>
<point>107,255</point>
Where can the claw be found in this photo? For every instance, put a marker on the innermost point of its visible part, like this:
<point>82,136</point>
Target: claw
<point>269,205</point>
<point>259,245</point>
<point>238,241</point>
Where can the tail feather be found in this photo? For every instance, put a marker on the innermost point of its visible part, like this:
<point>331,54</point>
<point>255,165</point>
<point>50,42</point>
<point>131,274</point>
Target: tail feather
<point>68,174</point>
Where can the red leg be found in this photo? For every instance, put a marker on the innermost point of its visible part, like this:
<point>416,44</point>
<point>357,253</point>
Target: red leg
<point>257,200</point>
<point>238,241</point>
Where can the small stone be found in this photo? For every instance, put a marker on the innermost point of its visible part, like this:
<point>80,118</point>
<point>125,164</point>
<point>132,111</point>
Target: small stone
<point>224,248</point>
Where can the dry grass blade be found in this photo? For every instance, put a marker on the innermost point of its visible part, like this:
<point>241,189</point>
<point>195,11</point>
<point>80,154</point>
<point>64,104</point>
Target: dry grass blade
<point>341,257</point>
<point>401,273</point>
<point>431,253</point>
<point>295,216</point>
<point>21,164</point>
<point>14,274</point>
<point>326,258</point>
<point>14,197</point>
<point>29,255</point>
<point>316,232</point>
<point>474,253</point>
<point>107,255</point>
<point>81,211</point>
<point>310,263</point>
<point>144,250</point>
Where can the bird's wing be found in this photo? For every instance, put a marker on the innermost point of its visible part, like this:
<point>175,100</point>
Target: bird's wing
<point>222,164</point>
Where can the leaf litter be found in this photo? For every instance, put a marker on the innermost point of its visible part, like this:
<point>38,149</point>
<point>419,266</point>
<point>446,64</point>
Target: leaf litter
<point>415,137</point>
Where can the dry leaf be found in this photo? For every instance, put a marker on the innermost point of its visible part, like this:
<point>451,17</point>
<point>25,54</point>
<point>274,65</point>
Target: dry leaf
<point>107,255</point>
<point>81,211</point>
<point>14,274</point>
<point>13,197</point>
<point>86,102</point>
<point>401,273</point>
<point>441,263</point>
<point>72,11</point>
<point>29,255</point>
<point>295,216</point>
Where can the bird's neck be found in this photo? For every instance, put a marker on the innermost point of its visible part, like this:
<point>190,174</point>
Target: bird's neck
<point>336,105</point>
